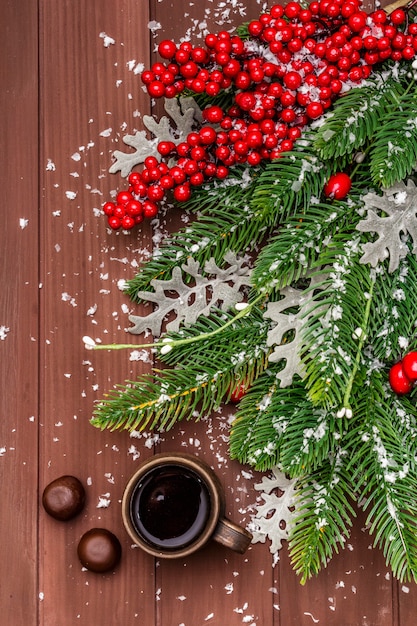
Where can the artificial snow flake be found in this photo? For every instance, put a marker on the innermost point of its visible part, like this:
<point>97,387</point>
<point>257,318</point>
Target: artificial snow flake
<point>398,206</point>
<point>183,113</point>
<point>107,40</point>
<point>103,501</point>
<point>273,518</point>
<point>215,288</point>
<point>3,332</point>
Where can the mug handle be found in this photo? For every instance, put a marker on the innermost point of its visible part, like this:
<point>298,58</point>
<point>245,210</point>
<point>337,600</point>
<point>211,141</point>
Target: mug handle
<point>232,536</point>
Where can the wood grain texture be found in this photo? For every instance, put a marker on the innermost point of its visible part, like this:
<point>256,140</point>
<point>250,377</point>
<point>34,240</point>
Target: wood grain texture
<point>69,93</point>
<point>19,375</point>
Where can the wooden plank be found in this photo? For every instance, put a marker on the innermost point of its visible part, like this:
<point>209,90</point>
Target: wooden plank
<point>18,312</point>
<point>88,54</point>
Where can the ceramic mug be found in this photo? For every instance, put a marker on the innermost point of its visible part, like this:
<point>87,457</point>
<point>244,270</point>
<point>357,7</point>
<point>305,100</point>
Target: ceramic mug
<point>174,504</point>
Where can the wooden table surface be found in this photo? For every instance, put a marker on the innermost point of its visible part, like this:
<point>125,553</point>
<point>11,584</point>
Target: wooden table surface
<point>69,92</point>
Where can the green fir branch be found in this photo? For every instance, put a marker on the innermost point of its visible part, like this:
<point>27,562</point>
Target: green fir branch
<point>336,325</point>
<point>355,117</point>
<point>393,154</point>
<point>323,516</point>
<point>206,368</point>
<point>384,473</point>
<point>262,418</point>
<point>158,401</point>
<point>394,311</point>
<point>309,439</point>
<point>296,247</point>
<point>241,345</point>
<point>288,184</point>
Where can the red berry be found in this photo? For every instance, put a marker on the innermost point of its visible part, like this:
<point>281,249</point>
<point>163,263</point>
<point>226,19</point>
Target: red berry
<point>150,209</point>
<point>108,208</point>
<point>238,392</point>
<point>182,193</point>
<point>255,28</point>
<point>128,222</point>
<point>166,182</point>
<point>165,147</point>
<point>156,89</point>
<point>213,114</point>
<point>357,21</point>
<point>147,77</point>
<point>314,110</point>
<point>398,16</point>
<point>167,49</point>
<point>155,193</point>
<point>114,222</point>
<point>292,80</point>
<point>409,363</point>
<point>207,135</point>
<point>134,208</point>
<point>151,162</point>
<point>338,186</point>
<point>399,382</point>
<point>123,197</point>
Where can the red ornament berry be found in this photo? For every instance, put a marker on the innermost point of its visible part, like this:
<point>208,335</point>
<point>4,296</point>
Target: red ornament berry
<point>398,16</point>
<point>114,222</point>
<point>150,209</point>
<point>108,208</point>
<point>156,89</point>
<point>238,392</point>
<point>338,186</point>
<point>314,110</point>
<point>167,49</point>
<point>128,222</point>
<point>182,193</point>
<point>399,382</point>
<point>409,363</point>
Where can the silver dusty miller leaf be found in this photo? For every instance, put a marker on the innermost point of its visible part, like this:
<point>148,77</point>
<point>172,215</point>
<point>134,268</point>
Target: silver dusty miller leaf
<point>399,206</point>
<point>184,112</point>
<point>215,287</point>
<point>273,518</point>
<point>285,322</point>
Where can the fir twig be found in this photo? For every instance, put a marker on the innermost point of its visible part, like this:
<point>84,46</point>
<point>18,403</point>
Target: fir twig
<point>355,117</point>
<point>384,473</point>
<point>323,516</point>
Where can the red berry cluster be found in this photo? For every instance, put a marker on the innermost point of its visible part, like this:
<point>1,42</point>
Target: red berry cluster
<point>295,62</point>
<point>403,375</point>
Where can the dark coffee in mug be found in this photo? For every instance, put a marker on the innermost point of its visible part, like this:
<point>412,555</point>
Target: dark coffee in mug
<point>170,506</point>
<point>174,504</point>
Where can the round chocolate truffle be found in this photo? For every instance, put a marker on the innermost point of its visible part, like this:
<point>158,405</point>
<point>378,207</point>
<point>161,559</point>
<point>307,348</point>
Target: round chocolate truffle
<point>99,550</point>
<point>64,498</point>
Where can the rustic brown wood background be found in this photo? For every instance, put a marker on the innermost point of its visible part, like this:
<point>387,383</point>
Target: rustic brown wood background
<point>67,98</point>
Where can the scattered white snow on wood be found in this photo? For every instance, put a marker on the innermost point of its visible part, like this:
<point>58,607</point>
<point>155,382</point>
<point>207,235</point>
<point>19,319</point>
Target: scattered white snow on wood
<point>50,166</point>
<point>3,332</point>
<point>107,40</point>
<point>154,26</point>
<point>92,310</point>
<point>103,501</point>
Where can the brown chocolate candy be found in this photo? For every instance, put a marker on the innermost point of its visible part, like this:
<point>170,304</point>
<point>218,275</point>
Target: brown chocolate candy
<point>64,498</point>
<point>99,550</point>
